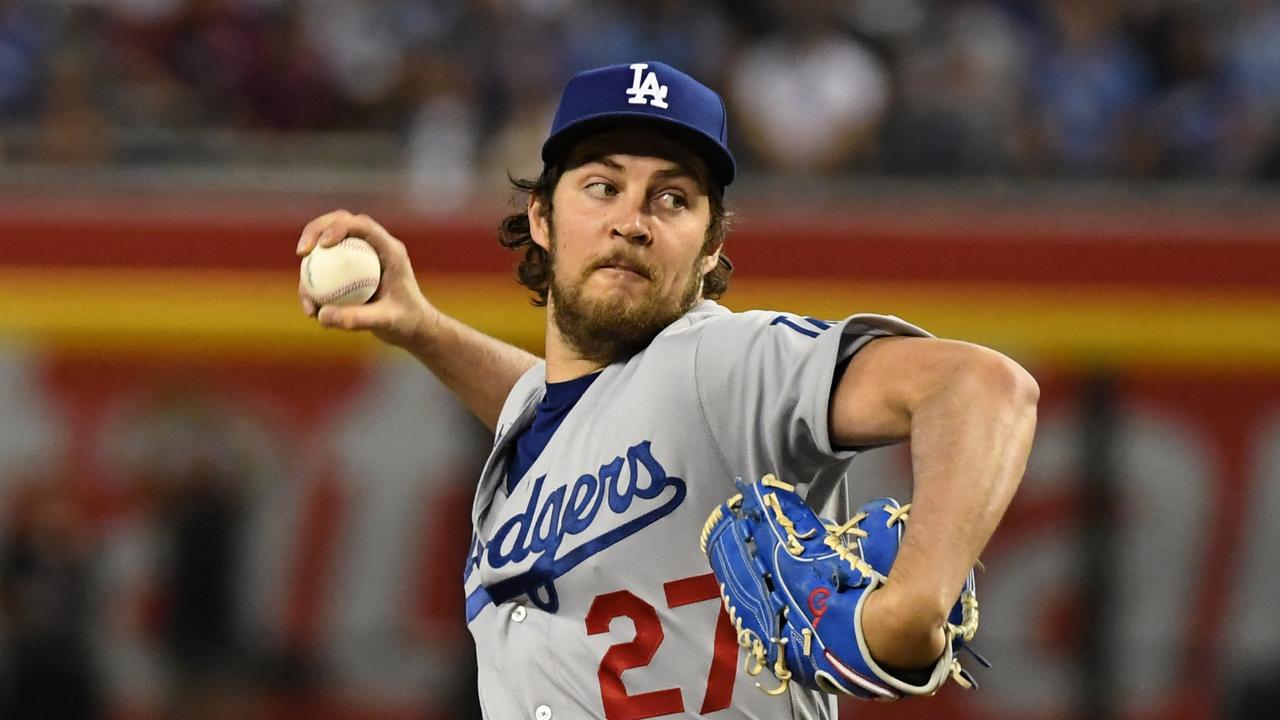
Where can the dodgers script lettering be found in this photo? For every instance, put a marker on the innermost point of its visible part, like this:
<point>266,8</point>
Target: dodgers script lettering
<point>636,478</point>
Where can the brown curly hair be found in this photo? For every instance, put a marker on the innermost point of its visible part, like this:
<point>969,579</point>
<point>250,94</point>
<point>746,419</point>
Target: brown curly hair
<point>534,271</point>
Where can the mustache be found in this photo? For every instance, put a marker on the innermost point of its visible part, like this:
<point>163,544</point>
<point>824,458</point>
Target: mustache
<point>623,261</point>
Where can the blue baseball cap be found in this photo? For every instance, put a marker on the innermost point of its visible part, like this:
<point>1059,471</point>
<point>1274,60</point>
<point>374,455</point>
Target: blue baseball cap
<point>647,93</point>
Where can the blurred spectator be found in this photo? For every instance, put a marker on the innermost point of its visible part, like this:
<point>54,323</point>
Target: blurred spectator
<point>208,46</point>
<point>1253,61</point>
<point>76,131</point>
<point>1194,125</point>
<point>529,77</point>
<point>1144,88</point>
<point>808,97</point>
<point>144,98</point>
<point>443,133</point>
<point>45,597</point>
<point>602,33</point>
<point>687,34</point>
<point>360,45</point>
<point>285,86</point>
<point>23,53</point>
<point>961,105</point>
<point>1090,85</point>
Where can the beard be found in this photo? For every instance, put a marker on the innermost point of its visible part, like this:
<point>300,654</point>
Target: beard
<point>615,326</point>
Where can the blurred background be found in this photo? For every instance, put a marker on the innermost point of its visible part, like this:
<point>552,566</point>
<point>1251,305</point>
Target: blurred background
<point>210,508</point>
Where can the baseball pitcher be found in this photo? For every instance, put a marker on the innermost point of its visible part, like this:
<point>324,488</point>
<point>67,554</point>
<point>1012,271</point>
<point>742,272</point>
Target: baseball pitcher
<point>663,526</point>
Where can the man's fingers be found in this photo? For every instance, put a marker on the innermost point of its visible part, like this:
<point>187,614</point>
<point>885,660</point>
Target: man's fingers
<point>345,225</point>
<point>332,316</point>
<point>391,252</point>
<point>348,317</point>
<point>308,306</point>
<point>312,230</point>
<point>332,228</point>
<point>365,227</point>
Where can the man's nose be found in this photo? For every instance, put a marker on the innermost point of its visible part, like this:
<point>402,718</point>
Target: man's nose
<point>632,224</point>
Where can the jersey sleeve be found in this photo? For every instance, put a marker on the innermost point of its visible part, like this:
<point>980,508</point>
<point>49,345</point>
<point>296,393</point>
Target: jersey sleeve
<point>764,382</point>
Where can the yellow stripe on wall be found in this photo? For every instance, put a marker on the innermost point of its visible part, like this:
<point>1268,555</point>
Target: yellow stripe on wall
<point>192,311</point>
<point>1055,323</point>
<point>257,313</point>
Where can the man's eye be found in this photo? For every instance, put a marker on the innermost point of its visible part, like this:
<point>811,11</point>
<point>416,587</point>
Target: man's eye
<point>672,201</point>
<point>601,189</point>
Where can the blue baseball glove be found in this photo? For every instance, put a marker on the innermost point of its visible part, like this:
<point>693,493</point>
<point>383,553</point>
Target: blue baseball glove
<point>794,587</point>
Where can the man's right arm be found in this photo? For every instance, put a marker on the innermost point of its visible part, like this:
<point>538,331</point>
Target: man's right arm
<point>478,369</point>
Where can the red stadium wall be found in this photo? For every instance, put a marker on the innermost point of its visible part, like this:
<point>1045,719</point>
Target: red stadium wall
<point>114,302</point>
<point>1164,285</point>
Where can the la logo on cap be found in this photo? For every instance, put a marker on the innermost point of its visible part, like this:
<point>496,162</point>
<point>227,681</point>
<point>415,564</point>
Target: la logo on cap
<point>645,88</point>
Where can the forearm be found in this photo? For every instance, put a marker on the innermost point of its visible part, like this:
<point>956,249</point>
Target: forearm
<point>969,448</point>
<point>480,370</point>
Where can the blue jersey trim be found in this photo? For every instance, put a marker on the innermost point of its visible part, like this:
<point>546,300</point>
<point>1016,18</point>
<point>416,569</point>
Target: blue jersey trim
<point>547,418</point>
<point>477,601</point>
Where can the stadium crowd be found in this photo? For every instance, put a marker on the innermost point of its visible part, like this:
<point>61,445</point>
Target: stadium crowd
<point>1021,88</point>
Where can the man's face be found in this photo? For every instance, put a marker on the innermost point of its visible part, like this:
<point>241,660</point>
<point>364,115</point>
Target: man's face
<point>626,238</point>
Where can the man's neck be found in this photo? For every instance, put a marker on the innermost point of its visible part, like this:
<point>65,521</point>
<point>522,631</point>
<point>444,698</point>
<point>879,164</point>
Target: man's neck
<point>563,360</point>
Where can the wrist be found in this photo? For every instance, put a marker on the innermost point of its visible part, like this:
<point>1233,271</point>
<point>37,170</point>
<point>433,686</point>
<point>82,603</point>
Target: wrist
<point>424,337</point>
<point>417,331</point>
<point>914,606</point>
<point>901,633</point>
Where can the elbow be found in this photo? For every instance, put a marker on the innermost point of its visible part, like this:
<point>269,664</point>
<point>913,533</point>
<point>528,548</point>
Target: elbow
<point>1019,386</point>
<point>1012,396</point>
<point>1005,383</point>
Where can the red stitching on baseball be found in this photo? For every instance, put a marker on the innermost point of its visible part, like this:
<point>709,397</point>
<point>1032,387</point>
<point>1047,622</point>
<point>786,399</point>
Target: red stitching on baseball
<point>358,244</point>
<point>334,295</point>
<point>355,244</point>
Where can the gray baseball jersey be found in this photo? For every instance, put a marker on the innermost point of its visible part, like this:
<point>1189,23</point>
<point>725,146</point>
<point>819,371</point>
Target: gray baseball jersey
<point>586,591</point>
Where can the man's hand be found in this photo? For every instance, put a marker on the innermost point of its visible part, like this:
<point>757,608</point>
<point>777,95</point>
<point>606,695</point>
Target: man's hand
<point>398,313</point>
<point>478,369</point>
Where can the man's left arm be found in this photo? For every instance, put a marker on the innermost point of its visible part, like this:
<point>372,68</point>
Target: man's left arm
<point>970,415</point>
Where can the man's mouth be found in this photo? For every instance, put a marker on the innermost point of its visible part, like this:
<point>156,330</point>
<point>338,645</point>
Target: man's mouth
<point>623,266</point>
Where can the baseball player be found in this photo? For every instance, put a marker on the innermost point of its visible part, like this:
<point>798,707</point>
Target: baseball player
<point>586,592</point>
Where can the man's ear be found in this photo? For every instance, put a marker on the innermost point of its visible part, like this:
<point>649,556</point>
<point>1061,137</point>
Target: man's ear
<point>539,228</point>
<point>709,262</point>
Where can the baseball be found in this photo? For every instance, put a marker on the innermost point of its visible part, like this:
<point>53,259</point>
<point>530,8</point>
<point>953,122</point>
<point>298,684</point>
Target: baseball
<point>345,274</point>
